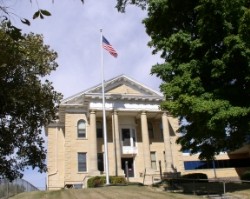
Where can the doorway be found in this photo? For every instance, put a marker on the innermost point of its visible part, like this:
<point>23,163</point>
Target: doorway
<point>130,162</point>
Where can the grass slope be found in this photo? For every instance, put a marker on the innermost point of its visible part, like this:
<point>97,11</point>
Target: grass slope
<point>121,192</point>
<point>118,192</point>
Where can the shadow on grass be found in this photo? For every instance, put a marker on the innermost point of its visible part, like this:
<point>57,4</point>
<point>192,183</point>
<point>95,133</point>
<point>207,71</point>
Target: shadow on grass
<point>121,185</point>
<point>201,187</point>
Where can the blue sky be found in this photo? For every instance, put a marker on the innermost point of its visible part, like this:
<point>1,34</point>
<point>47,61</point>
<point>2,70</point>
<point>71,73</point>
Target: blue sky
<point>73,31</point>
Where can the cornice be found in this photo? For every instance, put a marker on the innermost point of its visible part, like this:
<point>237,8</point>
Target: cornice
<point>129,97</point>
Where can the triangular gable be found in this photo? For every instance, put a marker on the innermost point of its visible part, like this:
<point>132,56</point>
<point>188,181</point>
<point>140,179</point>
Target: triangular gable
<point>124,85</point>
<point>119,85</point>
<point>125,89</point>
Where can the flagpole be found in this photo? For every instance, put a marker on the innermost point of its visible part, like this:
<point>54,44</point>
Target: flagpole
<point>104,118</point>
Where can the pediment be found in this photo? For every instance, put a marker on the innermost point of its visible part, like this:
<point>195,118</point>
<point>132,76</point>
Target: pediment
<point>124,85</point>
<point>121,85</point>
<point>125,89</point>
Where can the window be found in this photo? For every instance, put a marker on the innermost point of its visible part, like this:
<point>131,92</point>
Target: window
<point>186,151</point>
<point>100,161</point>
<point>150,130</point>
<point>128,137</point>
<point>99,130</point>
<point>229,163</point>
<point>153,160</point>
<point>81,129</point>
<point>82,162</point>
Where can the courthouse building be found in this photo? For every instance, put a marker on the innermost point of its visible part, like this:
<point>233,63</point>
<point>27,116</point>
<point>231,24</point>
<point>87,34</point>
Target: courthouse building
<point>139,134</point>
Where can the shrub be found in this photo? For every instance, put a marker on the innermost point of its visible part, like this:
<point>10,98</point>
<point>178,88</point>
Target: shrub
<point>99,181</point>
<point>245,176</point>
<point>117,180</point>
<point>198,176</point>
<point>194,176</point>
<point>96,181</point>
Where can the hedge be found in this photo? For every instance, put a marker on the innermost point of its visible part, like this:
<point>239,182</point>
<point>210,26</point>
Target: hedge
<point>99,181</point>
<point>245,176</point>
<point>198,176</point>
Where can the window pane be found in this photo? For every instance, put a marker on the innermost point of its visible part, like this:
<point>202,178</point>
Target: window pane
<point>150,130</point>
<point>152,154</point>
<point>230,163</point>
<point>100,162</point>
<point>99,131</point>
<point>81,129</point>
<point>82,164</point>
<point>153,160</point>
<point>81,125</point>
<point>81,133</point>
<point>126,137</point>
<point>99,125</point>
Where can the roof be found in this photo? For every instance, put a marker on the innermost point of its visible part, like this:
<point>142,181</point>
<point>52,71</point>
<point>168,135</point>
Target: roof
<point>120,87</point>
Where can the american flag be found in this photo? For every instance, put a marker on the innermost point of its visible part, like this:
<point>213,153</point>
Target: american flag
<point>107,46</point>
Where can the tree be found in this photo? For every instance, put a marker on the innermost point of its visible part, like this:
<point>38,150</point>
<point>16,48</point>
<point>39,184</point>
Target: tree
<point>40,13</point>
<point>27,101</point>
<point>5,13</point>
<point>5,17</point>
<point>206,73</point>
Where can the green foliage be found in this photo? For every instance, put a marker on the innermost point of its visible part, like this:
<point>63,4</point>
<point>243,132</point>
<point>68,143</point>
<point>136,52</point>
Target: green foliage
<point>117,180</point>
<point>41,13</point>
<point>198,176</point>
<point>25,21</point>
<point>245,176</point>
<point>121,4</point>
<point>6,15</point>
<point>27,102</point>
<point>12,31</point>
<point>206,73</point>
<point>98,181</point>
<point>186,178</point>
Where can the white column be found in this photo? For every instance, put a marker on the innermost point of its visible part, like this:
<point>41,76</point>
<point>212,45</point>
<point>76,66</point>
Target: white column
<point>93,168</point>
<point>117,144</point>
<point>167,144</point>
<point>145,141</point>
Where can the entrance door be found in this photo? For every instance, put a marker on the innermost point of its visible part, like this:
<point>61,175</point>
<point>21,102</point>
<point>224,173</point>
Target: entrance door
<point>130,162</point>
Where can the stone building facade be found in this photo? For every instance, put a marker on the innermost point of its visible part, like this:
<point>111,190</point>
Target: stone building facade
<point>139,134</point>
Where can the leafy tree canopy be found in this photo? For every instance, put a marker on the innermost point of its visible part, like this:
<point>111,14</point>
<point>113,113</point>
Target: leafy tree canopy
<point>206,73</point>
<point>5,15</point>
<point>40,13</point>
<point>27,101</point>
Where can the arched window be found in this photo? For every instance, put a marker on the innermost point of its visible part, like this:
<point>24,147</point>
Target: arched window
<point>81,129</point>
<point>99,129</point>
<point>150,130</point>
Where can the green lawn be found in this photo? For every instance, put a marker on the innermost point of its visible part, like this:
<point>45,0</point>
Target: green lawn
<point>117,192</point>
